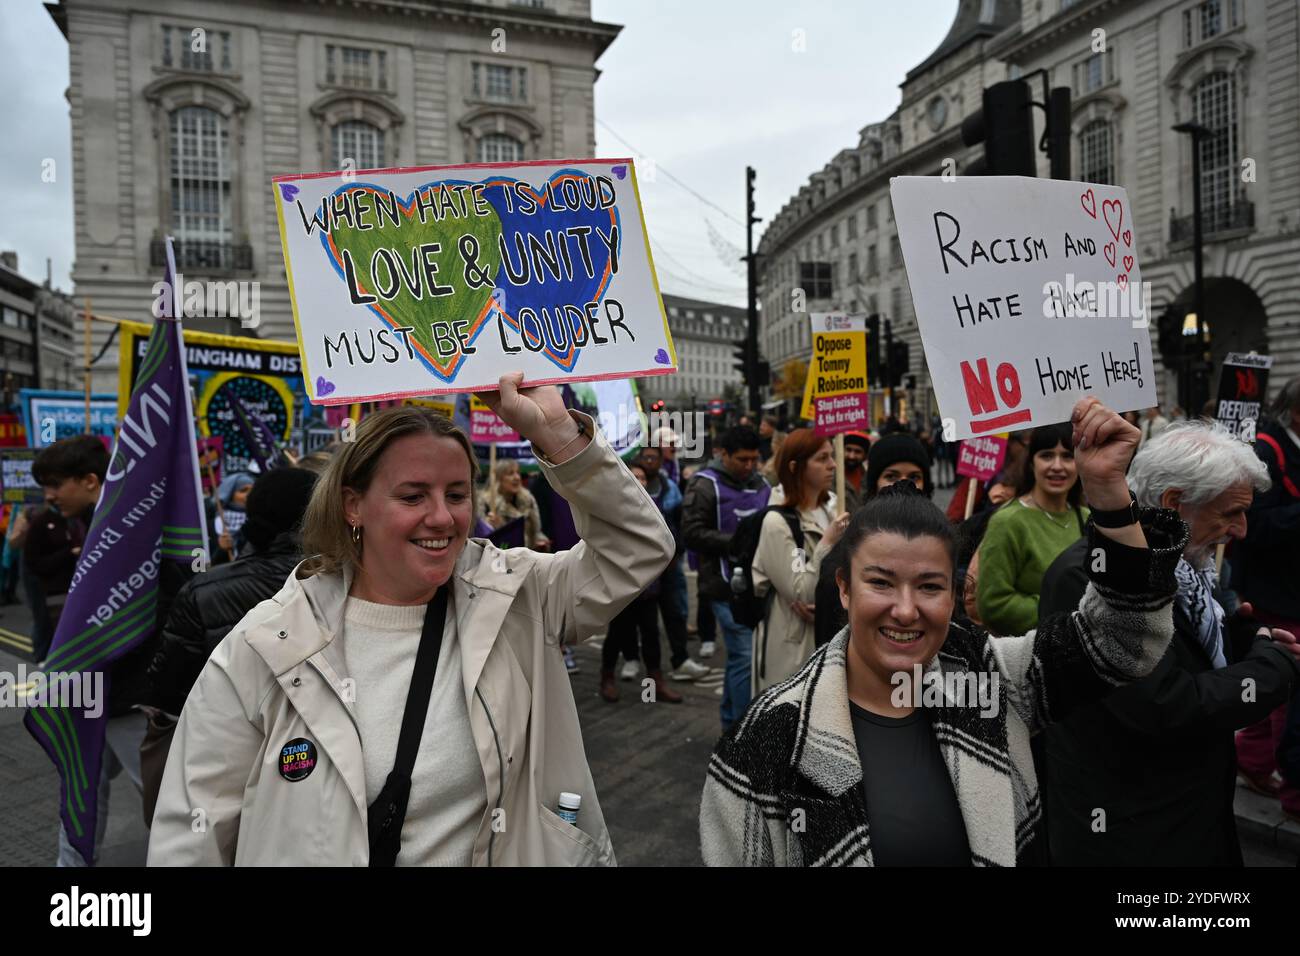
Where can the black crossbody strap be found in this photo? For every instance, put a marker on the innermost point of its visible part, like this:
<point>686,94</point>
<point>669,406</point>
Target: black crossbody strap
<point>388,812</point>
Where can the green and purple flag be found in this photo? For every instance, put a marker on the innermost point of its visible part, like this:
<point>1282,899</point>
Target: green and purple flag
<point>150,511</point>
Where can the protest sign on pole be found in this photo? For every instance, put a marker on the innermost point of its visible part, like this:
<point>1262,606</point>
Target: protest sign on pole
<point>434,280</point>
<point>150,511</point>
<point>980,459</point>
<point>1243,384</point>
<point>839,372</point>
<point>1028,296</point>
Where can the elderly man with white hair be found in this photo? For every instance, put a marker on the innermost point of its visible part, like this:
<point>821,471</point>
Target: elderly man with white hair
<point>1147,775</point>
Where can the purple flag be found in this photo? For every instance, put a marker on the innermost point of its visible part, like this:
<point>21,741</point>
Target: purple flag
<point>262,446</point>
<point>150,511</point>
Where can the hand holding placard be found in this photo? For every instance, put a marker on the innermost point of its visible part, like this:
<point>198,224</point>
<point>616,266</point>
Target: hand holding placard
<point>1104,444</point>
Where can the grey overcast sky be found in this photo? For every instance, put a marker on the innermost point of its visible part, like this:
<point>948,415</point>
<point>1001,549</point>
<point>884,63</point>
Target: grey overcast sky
<point>701,88</point>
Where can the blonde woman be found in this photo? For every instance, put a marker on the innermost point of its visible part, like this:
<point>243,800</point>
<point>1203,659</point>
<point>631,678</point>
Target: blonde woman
<point>289,742</point>
<point>506,499</point>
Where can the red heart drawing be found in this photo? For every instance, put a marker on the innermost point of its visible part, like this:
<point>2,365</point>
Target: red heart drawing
<point>1106,208</point>
<point>1089,203</point>
<point>1128,263</point>
<point>1109,251</point>
<point>1122,280</point>
<point>1128,238</point>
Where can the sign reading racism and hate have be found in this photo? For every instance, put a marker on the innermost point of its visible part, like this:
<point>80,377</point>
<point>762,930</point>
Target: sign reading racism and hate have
<point>1028,296</point>
<point>439,279</point>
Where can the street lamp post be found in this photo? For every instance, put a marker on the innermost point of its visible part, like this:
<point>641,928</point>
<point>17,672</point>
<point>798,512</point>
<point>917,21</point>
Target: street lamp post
<point>1199,134</point>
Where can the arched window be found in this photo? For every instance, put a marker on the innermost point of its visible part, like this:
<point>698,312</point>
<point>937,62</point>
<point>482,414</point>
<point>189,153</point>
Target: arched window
<point>1214,106</point>
<point>200,175</point>
<point>360,142</point>
<point>1097,153</point>
<point>499,148</point>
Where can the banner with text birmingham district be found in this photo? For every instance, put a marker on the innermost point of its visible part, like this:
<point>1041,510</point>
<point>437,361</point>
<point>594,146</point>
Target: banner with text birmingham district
<point>1028,296</point>
<point>439,279</point>
<point>264,375</point>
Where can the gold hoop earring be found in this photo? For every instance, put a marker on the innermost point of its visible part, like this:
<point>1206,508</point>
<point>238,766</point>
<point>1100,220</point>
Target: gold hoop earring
<point>356,534</point>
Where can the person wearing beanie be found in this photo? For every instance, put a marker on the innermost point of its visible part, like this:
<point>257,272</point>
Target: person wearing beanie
<point>898,456</point>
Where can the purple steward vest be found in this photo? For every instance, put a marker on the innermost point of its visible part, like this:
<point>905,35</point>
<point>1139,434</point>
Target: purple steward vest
<point>732,505</point>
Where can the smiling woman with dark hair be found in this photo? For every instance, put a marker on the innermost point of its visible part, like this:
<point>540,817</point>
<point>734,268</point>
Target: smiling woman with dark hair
<point>1027,534</point>
<point>905,740</point>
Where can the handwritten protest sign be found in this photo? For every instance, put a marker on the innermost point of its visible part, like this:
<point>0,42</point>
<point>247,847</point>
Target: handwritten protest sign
<point>981,458</point>
<point>1028,296</point>
<point>436,280</point>
<point>1243,383</point>
<point>839,372</point>
<point>485,427</point>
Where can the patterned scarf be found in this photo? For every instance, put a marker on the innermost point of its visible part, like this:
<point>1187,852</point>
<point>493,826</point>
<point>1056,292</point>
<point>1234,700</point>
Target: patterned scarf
<point>1196,599</point>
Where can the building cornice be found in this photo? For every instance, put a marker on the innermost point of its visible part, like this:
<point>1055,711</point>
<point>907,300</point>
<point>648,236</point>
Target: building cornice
<point>525,19</point>
<point>1016,46</point>
<point>937,147</point>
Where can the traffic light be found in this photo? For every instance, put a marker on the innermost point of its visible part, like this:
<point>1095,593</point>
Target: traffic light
<point>741,355</point>
<point>1005,125</point>
<point>898,362</point>
<point>762,374</point>
<point>873,351</point>
<point>1058,132</point>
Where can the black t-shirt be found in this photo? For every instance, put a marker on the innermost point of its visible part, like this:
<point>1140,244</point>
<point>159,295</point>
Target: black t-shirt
<point>912,808</point>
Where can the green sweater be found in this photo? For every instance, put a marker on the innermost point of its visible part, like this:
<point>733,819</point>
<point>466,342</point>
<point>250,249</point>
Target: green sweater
<point>1020,544</point>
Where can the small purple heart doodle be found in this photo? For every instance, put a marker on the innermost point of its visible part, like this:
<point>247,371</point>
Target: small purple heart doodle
<point>288,191</point>
<point>324,387</point>
<point>661,357</point>
<point>619,171</point>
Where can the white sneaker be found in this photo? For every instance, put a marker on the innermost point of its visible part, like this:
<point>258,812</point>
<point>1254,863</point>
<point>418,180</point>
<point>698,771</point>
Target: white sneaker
<point>631,670</point>
<point>708,648</point>
<point>690,670</point>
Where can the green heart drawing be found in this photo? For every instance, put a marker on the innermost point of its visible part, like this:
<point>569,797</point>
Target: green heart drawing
<point>464,304</point>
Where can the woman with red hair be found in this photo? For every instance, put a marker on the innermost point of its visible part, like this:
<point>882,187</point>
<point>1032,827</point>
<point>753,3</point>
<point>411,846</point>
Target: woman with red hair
<point>795,537</point>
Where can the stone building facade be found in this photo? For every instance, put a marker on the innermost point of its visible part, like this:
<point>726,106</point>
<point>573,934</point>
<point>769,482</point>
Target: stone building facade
<point>705,335</point>
<point>183,110</point>
<point>1232,65</point>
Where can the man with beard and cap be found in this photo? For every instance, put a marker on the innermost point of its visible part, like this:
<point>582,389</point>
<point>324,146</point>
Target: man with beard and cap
<point>856,447</point>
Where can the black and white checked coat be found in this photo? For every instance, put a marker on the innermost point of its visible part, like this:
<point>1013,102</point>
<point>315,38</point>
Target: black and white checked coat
<point>784,784</point>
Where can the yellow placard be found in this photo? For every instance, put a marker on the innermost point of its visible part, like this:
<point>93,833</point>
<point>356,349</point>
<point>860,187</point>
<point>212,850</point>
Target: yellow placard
<point>839,362</point>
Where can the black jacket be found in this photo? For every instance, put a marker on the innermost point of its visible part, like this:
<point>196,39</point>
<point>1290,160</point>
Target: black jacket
<point>1264,570</point>
<point>207,609</point>
<point>1156,756</point>
<point>700,528</point>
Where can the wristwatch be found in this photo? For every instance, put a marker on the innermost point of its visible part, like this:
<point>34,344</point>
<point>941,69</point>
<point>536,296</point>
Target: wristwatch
<point>1119,518</point>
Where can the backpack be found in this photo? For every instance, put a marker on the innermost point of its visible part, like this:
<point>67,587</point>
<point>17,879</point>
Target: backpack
<point>747,607</point>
